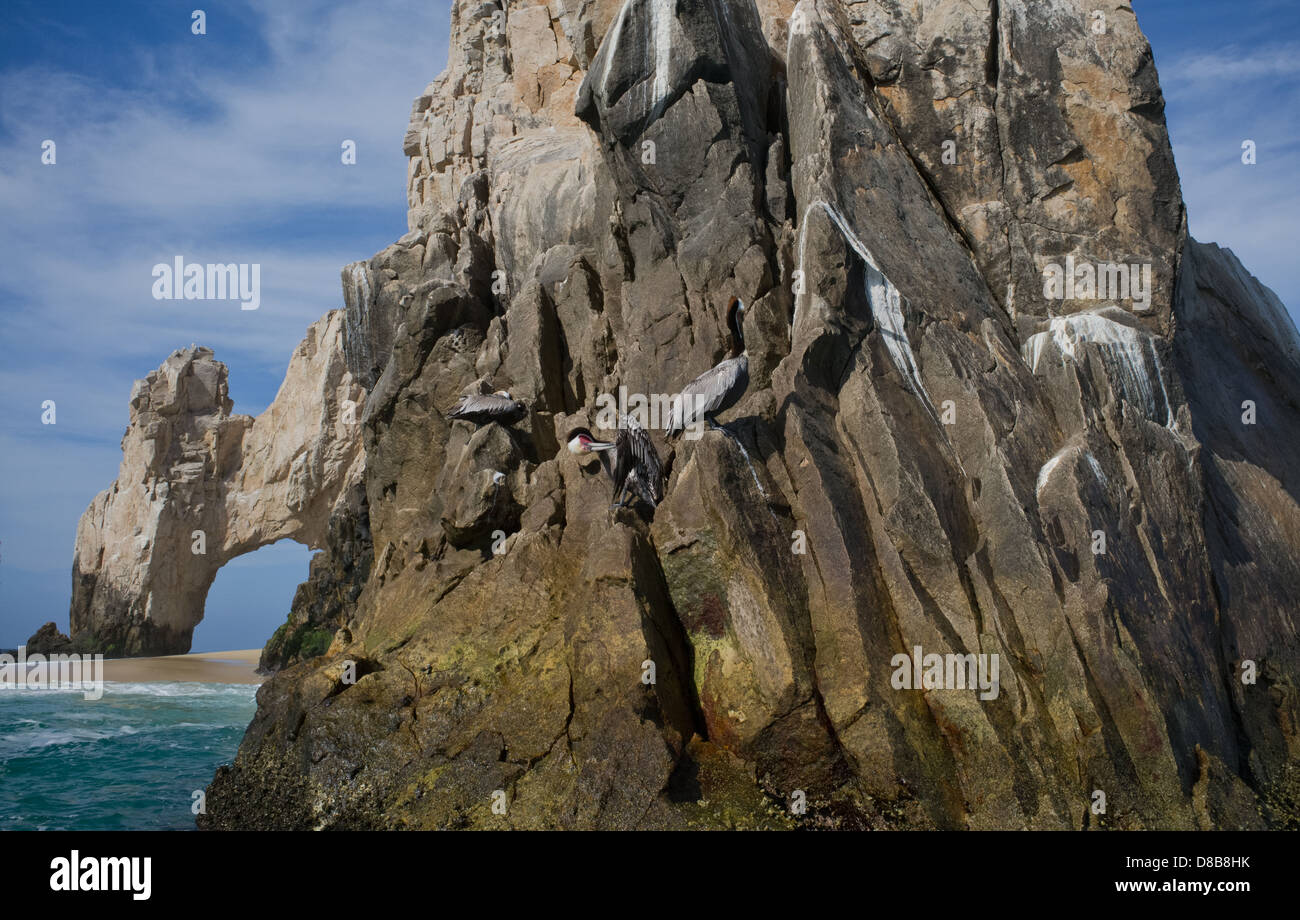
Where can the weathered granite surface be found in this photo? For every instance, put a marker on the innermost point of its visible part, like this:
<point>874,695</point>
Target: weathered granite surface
<point>935,453</point>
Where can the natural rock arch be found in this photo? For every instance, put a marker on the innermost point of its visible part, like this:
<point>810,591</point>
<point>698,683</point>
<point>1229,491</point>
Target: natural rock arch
<point>199,486</point>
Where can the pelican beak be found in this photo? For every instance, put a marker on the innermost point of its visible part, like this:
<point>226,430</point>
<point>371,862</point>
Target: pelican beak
<point>585,445</point>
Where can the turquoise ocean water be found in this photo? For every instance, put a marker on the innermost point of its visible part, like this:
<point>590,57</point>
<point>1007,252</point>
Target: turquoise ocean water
<point>130,760</point>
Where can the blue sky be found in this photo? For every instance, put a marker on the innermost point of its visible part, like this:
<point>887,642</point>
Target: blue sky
<point>225,148</point>
<point>1230,72</point>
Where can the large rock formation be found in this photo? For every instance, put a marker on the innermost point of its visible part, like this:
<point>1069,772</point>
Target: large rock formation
<point>937,450</point>
<point>199,486</point>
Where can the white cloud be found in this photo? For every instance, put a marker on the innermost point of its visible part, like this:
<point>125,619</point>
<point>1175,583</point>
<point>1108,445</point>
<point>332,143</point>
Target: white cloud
<point>1233,64</point>
<point>260,181</point>
<point>274,142</point>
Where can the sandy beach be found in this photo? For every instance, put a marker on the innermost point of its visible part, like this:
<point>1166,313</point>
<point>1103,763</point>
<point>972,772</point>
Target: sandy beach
<point>237,667</point>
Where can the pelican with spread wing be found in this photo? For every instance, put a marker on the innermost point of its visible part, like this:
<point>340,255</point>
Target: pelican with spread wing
<point>636,468</point>
<point>484,408</point>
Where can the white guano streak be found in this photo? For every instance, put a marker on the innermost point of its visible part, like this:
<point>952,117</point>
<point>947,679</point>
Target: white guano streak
<point>884,299</point>
<point>1123,350</point>
<point>616,31</point>
<point>361,293</point>
<point>660,37</point>
<point>1045,474</point>
<point>361,285</point>
<point>661,24</point>
<point>798,25</point>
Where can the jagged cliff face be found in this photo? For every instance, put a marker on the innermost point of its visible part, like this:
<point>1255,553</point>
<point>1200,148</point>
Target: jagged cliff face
<point>931,453</point>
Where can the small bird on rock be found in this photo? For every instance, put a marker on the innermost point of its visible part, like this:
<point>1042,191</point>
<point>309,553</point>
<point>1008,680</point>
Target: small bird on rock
<point>494,407</point>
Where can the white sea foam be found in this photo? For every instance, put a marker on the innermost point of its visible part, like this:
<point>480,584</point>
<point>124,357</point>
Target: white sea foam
<point>150,688</point>
<point>30,742</point>
<point>180,688</point>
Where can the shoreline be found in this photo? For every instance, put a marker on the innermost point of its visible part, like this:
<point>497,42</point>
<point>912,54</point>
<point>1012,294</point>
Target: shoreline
<point>228,667</point>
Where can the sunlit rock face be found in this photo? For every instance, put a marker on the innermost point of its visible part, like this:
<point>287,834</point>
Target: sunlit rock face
<point>1090,496</point>
<point>199,486</point>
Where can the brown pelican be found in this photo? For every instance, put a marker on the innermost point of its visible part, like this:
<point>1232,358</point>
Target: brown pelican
<point>496,407</point>
<point>718,388</point>
<point>636,466</point>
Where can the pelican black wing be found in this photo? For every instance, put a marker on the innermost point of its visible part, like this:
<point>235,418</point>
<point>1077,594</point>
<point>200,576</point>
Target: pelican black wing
<point>634,452</point>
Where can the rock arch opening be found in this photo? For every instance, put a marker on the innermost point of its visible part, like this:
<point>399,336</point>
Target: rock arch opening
<point>251,596</point>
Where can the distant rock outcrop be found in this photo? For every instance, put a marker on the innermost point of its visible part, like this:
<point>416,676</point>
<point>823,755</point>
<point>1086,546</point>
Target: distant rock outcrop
<point>48,640</point>
<point>199,486</point>
<point>1093,491</point>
